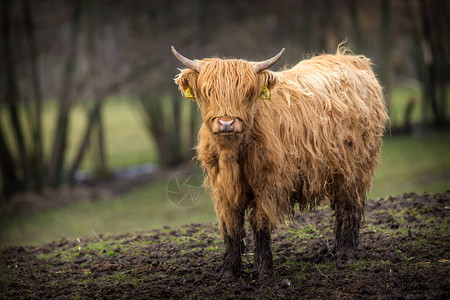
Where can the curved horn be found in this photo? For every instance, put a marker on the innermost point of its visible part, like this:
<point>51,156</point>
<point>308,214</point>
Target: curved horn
<point>262,65</point>
<point>191,64</point>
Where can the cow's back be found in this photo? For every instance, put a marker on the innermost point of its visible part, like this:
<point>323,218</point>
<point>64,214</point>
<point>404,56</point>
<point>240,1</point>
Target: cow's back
<point>331,121</point>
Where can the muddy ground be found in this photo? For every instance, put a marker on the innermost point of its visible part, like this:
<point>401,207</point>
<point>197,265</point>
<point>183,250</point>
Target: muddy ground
<point>404,253</point>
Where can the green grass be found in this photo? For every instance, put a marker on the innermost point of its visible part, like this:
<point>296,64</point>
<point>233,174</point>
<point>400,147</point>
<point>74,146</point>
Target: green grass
<point>126,134</point>
<point>142,209</point>
<point>413,164</point>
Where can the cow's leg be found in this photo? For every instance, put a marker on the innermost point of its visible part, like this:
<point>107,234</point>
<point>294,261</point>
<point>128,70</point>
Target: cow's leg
<point>346,229</point>
<point>234,247</point>
<point>263,261</point>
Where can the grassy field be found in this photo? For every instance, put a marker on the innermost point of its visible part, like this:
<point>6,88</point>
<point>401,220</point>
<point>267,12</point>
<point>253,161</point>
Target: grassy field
<point>409,164</point>
<point>413,164</point>
<point>141,209</point>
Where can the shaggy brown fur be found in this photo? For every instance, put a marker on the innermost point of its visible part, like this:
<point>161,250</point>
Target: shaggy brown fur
<point>317,138</point>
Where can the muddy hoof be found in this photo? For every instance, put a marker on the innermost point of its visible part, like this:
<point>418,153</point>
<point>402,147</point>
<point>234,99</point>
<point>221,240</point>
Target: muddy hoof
<point>227,276</point>
<point>264,275</point>
<point>260,276</point>
<point>344,257</point>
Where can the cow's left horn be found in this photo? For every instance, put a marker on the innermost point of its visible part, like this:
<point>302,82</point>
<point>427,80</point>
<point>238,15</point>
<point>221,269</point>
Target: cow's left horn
<point>262,65</point>
<point>191,64</point>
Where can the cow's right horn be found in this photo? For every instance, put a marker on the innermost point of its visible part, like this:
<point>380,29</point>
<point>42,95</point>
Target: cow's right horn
<point>262,65</point>
<point>191,64</point>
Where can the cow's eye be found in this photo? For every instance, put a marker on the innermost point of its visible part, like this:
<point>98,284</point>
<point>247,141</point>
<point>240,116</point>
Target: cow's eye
<point>249,96</point>
<point>209,92</point>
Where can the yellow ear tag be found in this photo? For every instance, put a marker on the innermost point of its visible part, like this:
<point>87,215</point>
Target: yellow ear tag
<point>265,93</point>
<point>188,93</point>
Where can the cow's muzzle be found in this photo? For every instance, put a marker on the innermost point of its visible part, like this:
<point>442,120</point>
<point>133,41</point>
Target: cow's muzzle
<point>227,125</point>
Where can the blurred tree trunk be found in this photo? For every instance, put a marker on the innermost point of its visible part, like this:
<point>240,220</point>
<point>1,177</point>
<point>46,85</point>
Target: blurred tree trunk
<point>10,181</point>
<point>305,26</point>
<point>38,163</point>
<point>94,135</point>
<point>193,127</point>
<point>153,109</point>
<point>60,138</point>
<point>407,123</point>
<point>326,38</point>
<point>163,117</point>
<point>101,169</point>
<point>12,95</point>
<point>175,142</point>
<point>207,20</point>
<point>94,114</point>
<point>433,20</point>
<point>92,119</point>
<point>386,69</point>
<point>418,53</point>
<point>356,24</point>
<point>99,166</point>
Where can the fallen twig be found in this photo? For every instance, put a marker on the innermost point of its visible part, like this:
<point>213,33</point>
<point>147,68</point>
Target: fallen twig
<point>320,271</point>
<point>98,238</point>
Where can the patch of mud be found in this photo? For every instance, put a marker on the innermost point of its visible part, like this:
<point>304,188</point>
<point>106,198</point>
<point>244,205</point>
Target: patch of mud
<point>404,252</point>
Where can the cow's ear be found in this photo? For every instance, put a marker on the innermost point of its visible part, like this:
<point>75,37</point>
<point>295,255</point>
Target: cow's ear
<point>268,81</point>
<point>187,83</point>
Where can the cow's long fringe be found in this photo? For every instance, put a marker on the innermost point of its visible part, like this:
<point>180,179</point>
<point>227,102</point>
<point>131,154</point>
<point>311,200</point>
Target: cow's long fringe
<point>318,137</point>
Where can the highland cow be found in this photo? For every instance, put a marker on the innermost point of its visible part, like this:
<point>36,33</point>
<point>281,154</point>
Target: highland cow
<point>310,134</point>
